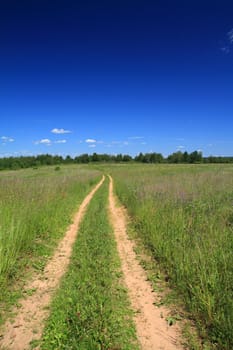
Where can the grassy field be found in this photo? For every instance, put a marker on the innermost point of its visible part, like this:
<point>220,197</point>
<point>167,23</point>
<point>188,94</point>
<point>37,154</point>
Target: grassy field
<point>91,309</point>
<point>36,205</point>
<point>184,215</point>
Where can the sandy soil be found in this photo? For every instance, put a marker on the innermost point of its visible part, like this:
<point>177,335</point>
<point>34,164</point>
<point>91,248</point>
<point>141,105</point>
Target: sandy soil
<point>152,330</point>
<point>29,320</point>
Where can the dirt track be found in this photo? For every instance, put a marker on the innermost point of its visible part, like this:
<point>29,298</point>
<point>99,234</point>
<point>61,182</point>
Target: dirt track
<point>152,330</point>
<point>29,321</point>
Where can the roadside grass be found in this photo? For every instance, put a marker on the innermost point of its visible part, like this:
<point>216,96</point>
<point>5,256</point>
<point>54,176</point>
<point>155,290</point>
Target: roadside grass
<point>91,309</point>
<point>165,296</point>
<point>183,214</point>
<point>36,206</point>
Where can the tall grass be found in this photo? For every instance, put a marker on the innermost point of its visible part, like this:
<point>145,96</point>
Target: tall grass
<point>35,208</point>
<point>184,215</point>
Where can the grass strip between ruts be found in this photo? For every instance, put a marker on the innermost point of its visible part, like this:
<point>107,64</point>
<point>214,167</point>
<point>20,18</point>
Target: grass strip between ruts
<point>91,309</point>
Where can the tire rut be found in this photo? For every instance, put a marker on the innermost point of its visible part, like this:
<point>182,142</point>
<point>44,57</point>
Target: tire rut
<point>28,323</point>
<point>152,331</point>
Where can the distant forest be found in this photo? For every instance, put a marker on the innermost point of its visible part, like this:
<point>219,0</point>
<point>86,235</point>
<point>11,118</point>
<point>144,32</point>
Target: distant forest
<point>47,159</point>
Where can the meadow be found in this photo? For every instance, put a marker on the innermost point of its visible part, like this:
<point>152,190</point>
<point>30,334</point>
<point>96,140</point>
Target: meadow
<point>184,215</point>
<point>36,206</point>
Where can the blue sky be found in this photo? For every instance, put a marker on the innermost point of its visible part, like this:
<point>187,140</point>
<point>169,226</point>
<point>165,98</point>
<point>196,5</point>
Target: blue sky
<point>116,77</point>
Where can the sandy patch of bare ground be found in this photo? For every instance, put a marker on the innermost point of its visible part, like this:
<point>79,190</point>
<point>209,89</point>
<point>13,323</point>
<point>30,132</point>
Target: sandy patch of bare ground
<point>152,330</point>
<point>29,320</point>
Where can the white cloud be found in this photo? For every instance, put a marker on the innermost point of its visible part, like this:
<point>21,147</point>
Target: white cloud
<point>43,142</point>
<point>92,146</point>
<point>180,147</point>
<point>60,131</point>
<point>125,143</point>
<point>90,141</point>
<point>143,143</point>
<point>60,141</point>
<point>7,139</point>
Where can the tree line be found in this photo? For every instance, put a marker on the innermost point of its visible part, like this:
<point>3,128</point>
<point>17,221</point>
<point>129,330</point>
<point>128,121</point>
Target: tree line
<point>48,159</point>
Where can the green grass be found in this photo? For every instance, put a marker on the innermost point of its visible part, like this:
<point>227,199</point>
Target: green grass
<point>36,206</point>
<point>91,309</point>
<point>184,216</point>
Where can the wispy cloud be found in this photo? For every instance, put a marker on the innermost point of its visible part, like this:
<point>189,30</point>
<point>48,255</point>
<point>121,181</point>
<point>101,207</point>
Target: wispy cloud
<point>120,143</point>
<point>179,139</point>
<point>180,147</point>
<point>226,48</point>
<point>43,142</point>
<point>23,153</point>
<point>60,141</point>
<point>135,137</point>
<point>60,131</point>
<point>7,139</point>
<point>116,142</point>
<point>92,145</point>
<point>230,36</point>
<point>90,141</point>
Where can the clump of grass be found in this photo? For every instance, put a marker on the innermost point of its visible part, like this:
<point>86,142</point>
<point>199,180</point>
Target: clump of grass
<point>91,310</point>
<point>184,216</point>
<point>35,209</point>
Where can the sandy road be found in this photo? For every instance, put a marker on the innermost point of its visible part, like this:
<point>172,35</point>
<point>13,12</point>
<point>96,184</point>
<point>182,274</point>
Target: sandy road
<point>29,320</point>
<point>152,330</point>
